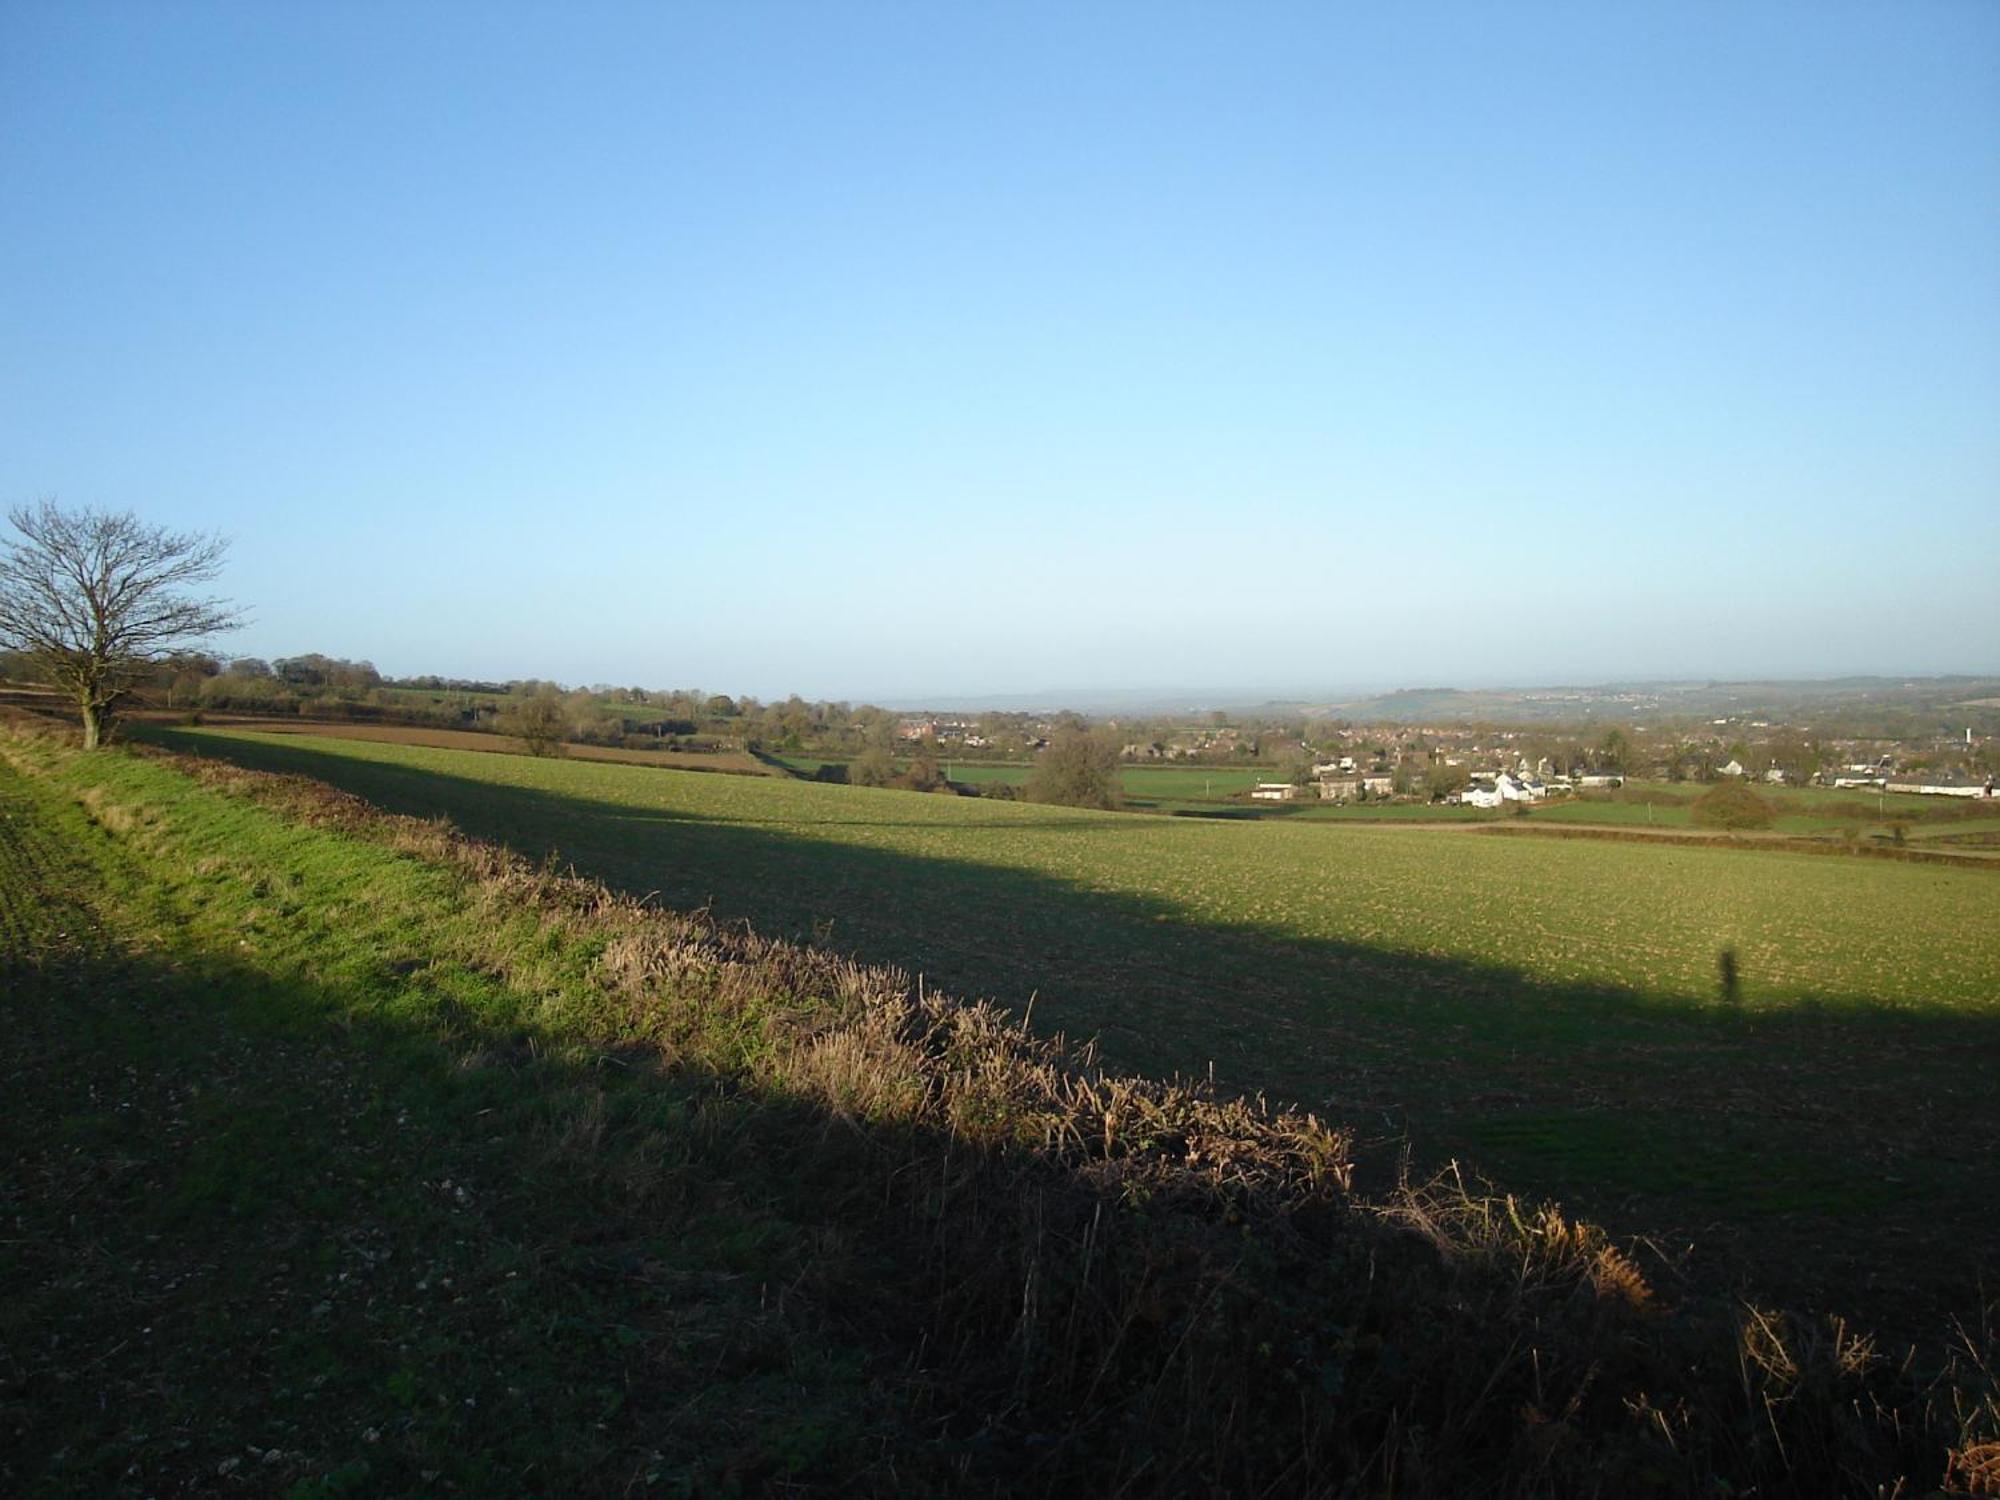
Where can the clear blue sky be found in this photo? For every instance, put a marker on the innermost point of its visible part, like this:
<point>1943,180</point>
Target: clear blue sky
<point>878,350</point>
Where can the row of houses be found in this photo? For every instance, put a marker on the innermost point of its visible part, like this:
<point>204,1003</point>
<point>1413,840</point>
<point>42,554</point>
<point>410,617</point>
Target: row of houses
<point>943,731</point>
<point>1492,791</point>
<point>1335,788</point>
<point>1878,777</point>
<point>1488,789</point>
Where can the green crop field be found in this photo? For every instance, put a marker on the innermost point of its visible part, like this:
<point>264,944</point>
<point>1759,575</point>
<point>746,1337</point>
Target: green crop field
<point>1144,783</point>
<point>1555,1010</point>
<point>349,1160</point>
<point>981,775</point>
<point>1191,781</point>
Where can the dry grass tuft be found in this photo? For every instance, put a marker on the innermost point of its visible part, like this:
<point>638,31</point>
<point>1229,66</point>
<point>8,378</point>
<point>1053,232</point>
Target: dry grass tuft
<point>1974,1469</point>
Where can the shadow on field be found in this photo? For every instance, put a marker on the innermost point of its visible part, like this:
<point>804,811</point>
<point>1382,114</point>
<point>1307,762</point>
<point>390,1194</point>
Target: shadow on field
<point>1841,1143</point>
<point>367,1239</point>
<point>387,1248</point>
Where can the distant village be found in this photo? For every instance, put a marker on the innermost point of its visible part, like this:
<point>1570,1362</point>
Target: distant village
<point>1488,768</point>
<point>1884,738</point>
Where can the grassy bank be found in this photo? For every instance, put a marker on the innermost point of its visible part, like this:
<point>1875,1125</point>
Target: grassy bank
<point>362,1158</point>
<point>1551,1010</point>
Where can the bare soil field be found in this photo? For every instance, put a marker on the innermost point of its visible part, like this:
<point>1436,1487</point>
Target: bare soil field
<point>730,762</point>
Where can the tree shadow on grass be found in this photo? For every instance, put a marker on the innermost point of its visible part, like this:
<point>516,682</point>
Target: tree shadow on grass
<point>385,1236</point>
<point>387,1247</point>
<point>1831,1143</point>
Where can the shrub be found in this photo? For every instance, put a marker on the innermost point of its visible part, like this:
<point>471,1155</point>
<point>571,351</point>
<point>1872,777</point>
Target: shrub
<point>923,775</point>
<point>1079,769</point>
<point>1731,805</point>
<point>871,767</point>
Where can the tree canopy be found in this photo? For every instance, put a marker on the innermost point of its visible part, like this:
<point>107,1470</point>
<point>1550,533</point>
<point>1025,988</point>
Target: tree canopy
<point>539,721</point>
<point>1079,769</point>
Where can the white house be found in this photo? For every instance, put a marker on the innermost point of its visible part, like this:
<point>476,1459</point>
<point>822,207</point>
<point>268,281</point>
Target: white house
<point>1481,794</point>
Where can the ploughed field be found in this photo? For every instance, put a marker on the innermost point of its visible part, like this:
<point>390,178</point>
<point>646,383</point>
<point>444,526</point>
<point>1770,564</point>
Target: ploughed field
<point>732,762</point>
<point>1784,1058</point>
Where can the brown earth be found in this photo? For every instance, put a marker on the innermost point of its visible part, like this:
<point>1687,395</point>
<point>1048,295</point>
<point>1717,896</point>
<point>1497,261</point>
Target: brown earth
<point>730,762</point>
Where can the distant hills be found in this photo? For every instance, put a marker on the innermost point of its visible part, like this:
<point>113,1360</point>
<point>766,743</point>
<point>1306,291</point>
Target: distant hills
<point>1973,698</point>
<point>1774,700</point>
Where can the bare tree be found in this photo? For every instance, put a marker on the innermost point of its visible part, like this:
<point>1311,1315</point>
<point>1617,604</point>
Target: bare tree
<point>95,600</point>
<point>539,721</point>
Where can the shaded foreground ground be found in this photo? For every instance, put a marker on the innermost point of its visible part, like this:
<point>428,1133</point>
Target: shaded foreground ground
<point>337,1180</point>
<point>1831,1145</point>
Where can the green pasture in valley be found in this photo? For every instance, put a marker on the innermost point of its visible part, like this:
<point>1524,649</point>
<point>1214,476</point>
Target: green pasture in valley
<point>1797,1047</point>
<point>1192,781</point>
<point>1147,783</point>
<point>1801,811</point>
<point>981,775</point>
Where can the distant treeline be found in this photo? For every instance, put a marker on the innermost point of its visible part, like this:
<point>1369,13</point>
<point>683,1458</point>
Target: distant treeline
<point>1426,759</point>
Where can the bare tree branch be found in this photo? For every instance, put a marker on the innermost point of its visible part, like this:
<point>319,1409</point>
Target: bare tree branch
<point>96,598</point>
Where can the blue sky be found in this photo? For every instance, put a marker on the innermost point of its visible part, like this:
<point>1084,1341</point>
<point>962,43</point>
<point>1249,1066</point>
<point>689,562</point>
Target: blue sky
<point>884,350</point>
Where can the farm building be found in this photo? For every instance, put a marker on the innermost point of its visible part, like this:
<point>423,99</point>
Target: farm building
<point>1594,779</point>
<point>1940,784</point>
<point>1273,791</point>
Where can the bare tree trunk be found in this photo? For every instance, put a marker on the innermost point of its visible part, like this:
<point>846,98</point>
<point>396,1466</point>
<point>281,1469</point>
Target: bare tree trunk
<point>92,724</point>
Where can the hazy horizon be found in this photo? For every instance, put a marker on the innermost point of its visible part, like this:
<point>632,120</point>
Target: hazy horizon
<point>884,354</point>
<point>1169,697</point>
